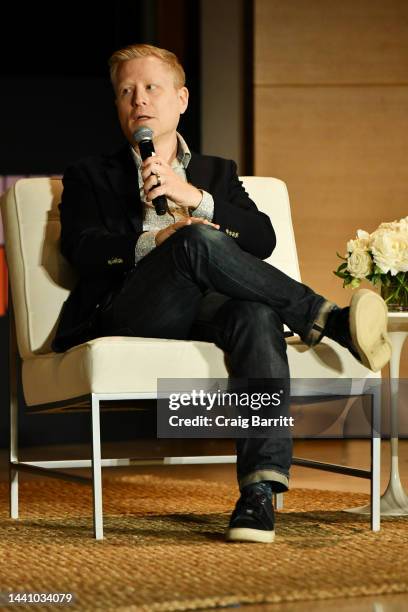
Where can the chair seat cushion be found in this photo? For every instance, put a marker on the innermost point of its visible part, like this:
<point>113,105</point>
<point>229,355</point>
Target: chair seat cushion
<point>119,364</point>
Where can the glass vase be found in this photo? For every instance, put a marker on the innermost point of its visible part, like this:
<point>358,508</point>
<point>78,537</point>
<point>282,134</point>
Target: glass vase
<point>394,290</point>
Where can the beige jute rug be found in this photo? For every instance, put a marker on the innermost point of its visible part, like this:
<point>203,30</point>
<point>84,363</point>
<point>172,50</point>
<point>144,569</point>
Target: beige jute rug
<point>164,549</point>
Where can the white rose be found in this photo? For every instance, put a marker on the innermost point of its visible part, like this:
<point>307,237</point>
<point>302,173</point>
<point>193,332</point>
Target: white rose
<point>390,251</point>
<point>388,226</point>
<point>394,226</point>
<point>361,243</point>
<point>403,223</point>
<point>359,264</point>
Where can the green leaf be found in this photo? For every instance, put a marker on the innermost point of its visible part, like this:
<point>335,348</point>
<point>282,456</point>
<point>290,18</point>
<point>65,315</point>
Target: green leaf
<point>342,266</point>
<point>356,282</point>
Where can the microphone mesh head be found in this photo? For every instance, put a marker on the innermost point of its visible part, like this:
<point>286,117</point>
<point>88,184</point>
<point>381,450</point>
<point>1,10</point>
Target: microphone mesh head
<point>143,133</point>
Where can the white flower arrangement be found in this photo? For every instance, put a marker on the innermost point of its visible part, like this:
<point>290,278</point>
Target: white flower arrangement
<point>381,258</point>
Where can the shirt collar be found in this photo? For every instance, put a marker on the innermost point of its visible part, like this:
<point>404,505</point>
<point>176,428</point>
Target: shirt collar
<point>183,153</point>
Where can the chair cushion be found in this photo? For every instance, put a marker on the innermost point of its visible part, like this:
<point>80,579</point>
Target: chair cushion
<point>119,364</point>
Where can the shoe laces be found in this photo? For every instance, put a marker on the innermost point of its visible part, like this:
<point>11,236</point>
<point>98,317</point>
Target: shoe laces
<point>254,502</point>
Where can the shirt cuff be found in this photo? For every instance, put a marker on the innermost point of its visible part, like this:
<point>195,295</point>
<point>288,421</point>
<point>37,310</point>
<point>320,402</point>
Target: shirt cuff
<point>205,209</point>
<point>145,244</point>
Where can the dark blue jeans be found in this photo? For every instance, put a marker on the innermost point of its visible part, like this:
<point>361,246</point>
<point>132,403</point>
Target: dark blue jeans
<point>200,285</point>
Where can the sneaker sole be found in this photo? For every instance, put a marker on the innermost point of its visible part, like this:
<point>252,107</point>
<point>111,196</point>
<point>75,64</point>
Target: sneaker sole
<point>368,328</point>
<point>245,534</point>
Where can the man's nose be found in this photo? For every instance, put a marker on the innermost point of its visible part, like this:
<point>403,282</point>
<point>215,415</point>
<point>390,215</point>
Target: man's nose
<point>139,97</point>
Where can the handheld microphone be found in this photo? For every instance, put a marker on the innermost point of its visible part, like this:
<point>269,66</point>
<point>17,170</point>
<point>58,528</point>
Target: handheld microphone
<point>144,138</point>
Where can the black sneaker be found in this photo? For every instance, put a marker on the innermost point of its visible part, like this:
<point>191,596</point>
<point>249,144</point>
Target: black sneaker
<point>362,328</point>
<point>253,518</point>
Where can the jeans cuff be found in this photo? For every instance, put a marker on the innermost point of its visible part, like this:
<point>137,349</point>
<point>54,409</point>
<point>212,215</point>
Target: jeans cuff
<point>280,481</point>
<point>316,331</point>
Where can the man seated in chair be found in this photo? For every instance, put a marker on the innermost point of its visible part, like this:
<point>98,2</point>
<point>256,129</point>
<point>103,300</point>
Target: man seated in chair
<point>195,272</point>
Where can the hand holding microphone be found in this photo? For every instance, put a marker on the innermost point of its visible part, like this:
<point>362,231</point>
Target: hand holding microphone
<point>144,138</point>
<point>159,178</point>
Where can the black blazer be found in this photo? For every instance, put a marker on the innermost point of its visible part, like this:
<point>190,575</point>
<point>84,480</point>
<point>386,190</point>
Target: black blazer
<point>102,218</point>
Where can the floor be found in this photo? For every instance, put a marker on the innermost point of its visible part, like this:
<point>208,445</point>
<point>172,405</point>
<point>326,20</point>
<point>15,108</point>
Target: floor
<point>350,452</point>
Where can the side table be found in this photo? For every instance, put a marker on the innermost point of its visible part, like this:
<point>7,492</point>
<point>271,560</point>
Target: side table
<point>394,502</point>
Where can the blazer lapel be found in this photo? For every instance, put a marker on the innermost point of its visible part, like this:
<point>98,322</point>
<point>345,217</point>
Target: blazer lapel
<point>123,178</point>
<point>196,173</point>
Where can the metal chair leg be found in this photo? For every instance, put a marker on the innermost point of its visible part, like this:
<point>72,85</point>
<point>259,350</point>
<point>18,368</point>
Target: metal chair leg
<point>13,482</point>
<point>376,461</point>
<point>13,477</point>
<point>96,470</point>
<point>278,501</point>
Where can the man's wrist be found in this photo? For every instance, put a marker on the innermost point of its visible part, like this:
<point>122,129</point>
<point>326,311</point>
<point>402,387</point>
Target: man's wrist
<point>205,209</point>
<point>196,201</point>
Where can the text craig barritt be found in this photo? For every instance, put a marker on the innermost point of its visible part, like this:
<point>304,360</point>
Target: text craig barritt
<point>223,421</point>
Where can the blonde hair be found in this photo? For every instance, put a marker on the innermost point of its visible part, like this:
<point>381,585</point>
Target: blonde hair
<point>142,50</point>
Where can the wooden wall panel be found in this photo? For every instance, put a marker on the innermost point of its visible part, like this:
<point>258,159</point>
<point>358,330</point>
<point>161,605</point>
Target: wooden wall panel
<point>331,119</point>
<point>325,41</point>
<point>342,152</point>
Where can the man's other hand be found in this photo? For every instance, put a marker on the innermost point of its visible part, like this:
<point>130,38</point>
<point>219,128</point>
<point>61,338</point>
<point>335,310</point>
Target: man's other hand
<point>171,184</point>
<point>163,234</point>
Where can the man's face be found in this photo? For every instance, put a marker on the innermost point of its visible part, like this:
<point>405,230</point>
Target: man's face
<point>146,95</point>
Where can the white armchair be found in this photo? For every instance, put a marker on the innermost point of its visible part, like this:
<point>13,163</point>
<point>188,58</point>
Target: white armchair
<point>101,369</point>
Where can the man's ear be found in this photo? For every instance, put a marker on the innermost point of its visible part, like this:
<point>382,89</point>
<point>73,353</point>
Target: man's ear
<point>183,99</point>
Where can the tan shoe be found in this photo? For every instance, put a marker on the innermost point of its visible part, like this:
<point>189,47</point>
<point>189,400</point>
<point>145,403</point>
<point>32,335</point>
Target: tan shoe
<point>368,318</point>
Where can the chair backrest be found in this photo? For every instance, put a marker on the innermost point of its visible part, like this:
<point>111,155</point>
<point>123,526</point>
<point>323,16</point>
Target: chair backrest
<point>41,278</point>
<point>271,197</point>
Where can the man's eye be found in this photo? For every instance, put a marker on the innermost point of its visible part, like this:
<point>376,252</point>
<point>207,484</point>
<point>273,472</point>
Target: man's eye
<point>126,91</point>
<point>151,86</point>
